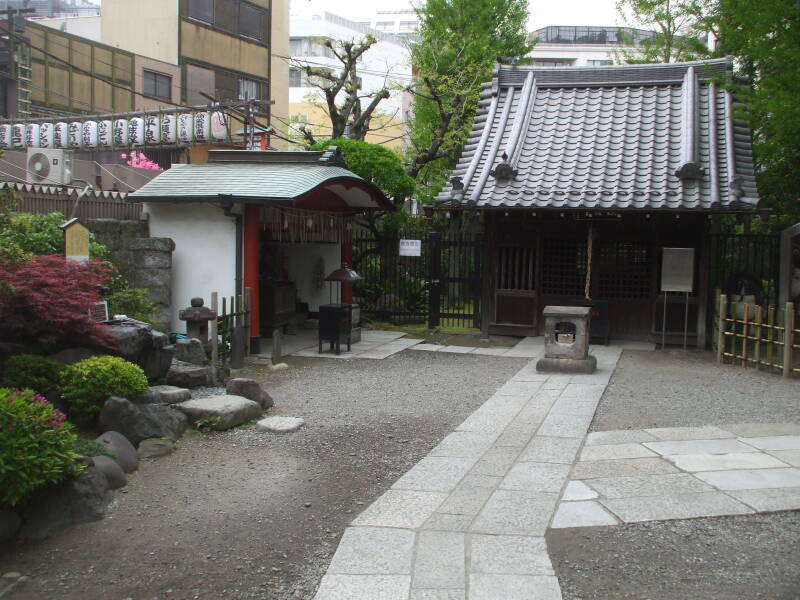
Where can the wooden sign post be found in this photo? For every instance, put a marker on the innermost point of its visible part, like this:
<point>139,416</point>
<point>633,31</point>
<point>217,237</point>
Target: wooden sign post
<point>76,240</point>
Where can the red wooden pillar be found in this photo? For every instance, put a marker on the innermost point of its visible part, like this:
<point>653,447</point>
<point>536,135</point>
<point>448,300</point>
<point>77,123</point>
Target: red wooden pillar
<point>252,231</point>
<point>347,260</point>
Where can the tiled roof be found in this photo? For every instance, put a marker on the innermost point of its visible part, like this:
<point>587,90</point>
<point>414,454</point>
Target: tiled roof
<point>628,137</point>
<point>259,176</point>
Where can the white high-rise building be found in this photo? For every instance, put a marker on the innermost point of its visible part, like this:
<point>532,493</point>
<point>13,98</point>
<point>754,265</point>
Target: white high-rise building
<point>386,64</point>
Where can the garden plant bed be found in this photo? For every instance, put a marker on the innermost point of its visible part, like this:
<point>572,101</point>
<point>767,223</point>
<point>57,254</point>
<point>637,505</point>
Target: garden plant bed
<point>243,514</point>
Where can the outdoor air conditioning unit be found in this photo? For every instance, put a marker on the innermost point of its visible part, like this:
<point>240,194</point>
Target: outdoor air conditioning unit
<point>49,167</point>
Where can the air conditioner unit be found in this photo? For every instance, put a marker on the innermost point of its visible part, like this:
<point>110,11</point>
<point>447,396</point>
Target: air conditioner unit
<point>49,166</point>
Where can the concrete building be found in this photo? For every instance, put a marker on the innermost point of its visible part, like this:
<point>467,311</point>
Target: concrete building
<point>224,51</point>
<point>571,46</point>
<point>386,65</point>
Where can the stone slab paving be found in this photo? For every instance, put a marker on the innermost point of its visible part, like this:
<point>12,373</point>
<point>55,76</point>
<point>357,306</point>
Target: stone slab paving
<point>682,472</point>
<point>478,505</point>
<point>375,344</point>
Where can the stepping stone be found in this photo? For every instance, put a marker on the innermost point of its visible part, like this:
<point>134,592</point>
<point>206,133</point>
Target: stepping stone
<point>250,389</point>
<point>280,424</point>
<point>155,448</point>
<point>231,410</point>
<point>170,394</point>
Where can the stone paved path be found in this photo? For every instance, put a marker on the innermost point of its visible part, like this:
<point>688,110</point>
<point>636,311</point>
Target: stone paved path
<point>468,521</point>
<point>682,472</point>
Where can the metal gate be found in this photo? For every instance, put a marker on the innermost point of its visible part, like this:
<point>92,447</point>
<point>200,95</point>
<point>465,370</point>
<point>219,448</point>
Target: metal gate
<point>454,280</point>
<point>442,286</point>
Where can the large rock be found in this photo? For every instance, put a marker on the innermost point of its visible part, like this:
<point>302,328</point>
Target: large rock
<point>250,389</point>
<point>231,410</point>
<point>191,351</point>
<point>187,375</point>
<point>138,422</point>
<point>78,500</point>
<point>72,355</point>
<point>137,342</point>
<point>123,451</point>
<point>115,476</point>
<point>9,524</point>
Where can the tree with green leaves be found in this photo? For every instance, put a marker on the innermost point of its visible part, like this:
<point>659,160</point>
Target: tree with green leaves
<point>459,44</point>
<point>344,102</point>
<point>679,26</point>
<point>764,37</point>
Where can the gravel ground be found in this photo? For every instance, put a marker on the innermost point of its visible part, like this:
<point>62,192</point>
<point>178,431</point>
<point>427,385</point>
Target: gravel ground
<point>240,514</point>
<point>722,558</point>
<point>677,389</point>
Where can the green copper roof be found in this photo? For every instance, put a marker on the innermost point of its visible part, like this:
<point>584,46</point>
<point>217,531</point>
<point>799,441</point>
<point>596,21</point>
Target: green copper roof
<point>258,177</point>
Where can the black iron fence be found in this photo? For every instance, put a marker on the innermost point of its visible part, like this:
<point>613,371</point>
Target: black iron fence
<point>436,281</point>
<point>746,265</point>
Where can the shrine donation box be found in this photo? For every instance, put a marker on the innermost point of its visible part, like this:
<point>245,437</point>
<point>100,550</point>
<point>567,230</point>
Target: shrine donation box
<point>335,325</point>
<point>566,340</point>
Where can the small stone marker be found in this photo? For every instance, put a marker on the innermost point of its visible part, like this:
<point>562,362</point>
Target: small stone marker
<point>280,424</point>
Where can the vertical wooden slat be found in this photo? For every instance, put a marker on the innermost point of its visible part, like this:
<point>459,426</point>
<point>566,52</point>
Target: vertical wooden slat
<point>757,336</point>
<point>723,307</point>
<point>770,335</point>
<point>744,331</point>
<point>213,331</point>
<point>788,339</point>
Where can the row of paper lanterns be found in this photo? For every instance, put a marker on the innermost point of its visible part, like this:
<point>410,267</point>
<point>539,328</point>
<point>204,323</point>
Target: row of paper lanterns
<point>171,129</point>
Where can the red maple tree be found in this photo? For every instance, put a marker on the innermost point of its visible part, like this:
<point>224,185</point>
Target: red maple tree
<point>46,300</point>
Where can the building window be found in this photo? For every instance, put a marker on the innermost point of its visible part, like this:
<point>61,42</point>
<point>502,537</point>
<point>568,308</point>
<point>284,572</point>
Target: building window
<point>234,16</point>
<point>384,25</point>
<point>202,10</point>
<point>295,78</point>
<point>157,85</point>
<point>249,89</point>
<point>599,63</point>
<point>408,25</point>
<point>253,22</point>
<point>309,47</point>
<point>557,62</point>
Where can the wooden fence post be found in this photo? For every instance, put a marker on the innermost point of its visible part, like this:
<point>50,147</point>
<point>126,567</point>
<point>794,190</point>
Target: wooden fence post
<point>788,339</point>
<point>757,330</point>
<point>723,308</point>
<point>212,330</point>
<point>246,309</point>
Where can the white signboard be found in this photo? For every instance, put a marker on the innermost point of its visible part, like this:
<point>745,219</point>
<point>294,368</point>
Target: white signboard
<point>677,270</point>
<point>410,247</point>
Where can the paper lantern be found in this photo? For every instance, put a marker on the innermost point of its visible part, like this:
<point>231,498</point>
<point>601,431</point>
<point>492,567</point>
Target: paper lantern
<point>46,132</point>
<point>32,135</point>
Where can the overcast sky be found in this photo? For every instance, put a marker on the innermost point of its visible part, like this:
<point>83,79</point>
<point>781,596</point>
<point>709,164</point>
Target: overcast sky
<point>543,12</point>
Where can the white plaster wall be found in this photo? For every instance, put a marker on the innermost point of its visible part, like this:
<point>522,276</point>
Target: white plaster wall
<point>301,259</point>
<point>580,54</point>
<point>204,260</point>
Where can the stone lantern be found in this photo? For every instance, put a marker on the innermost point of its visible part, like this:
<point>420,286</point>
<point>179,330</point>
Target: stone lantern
<point>566,340</point>
<point>197,317</point>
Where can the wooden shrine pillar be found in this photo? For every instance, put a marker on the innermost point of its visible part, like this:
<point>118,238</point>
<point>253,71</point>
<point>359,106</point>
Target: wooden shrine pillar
<point>252,256</point>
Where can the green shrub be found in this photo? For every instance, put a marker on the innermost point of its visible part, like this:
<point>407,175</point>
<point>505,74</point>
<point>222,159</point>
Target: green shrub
<point>93,448</point>
<point>87,384</point>
<point>30,371</point>
<point>126,300</point>
<point>37,448</point>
